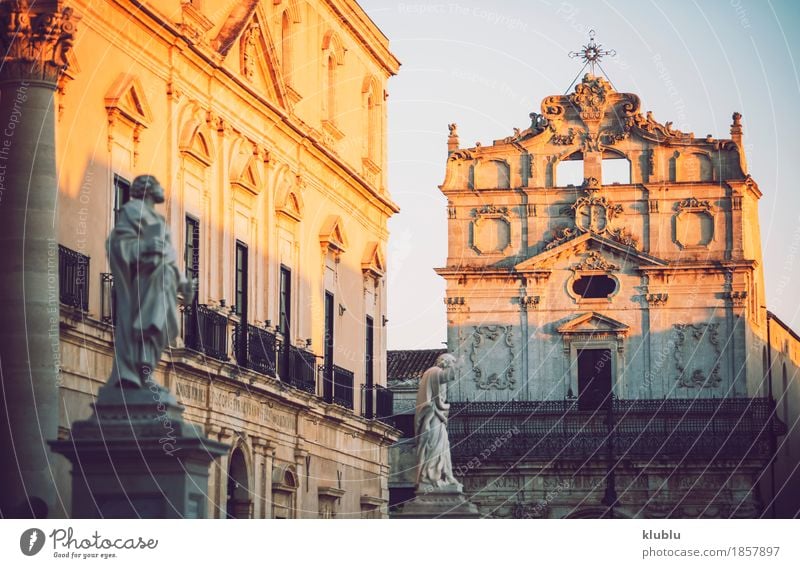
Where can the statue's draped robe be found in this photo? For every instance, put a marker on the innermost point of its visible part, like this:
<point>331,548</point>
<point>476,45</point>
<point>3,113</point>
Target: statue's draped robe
<point>434,465</point>
<point>145,291</point>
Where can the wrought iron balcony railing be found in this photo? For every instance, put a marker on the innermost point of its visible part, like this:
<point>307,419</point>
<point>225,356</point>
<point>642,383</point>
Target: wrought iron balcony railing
<point>256,348</point>
<point>206,331</point>
<point>73,278</point>
<point>376,403</point>
<point>704,429</point>
<point>342,387</point>
<point>298,368</point>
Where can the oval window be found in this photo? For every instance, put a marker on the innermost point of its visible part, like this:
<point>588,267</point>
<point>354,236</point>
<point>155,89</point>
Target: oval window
<point>596,286</point>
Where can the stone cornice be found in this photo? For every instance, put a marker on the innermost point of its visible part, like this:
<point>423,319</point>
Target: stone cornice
<point>35,40</point>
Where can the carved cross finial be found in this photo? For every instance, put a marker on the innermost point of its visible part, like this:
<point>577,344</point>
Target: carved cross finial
<point>592,53</point>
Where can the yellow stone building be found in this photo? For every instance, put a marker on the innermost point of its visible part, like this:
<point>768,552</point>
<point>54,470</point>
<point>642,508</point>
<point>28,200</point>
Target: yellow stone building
<point>265,121</point>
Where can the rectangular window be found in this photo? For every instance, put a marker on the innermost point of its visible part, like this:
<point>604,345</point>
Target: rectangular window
<point>285,303</point>
<point>594,378</point>
<point>241,280</point>
<point>369,376</point>
<point>327,382</point>
<point>191,251</point>
<point>122,194</point>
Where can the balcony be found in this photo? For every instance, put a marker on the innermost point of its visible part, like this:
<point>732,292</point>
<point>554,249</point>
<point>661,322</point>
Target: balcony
<point>674,429</point>
<point>73,278</point>
<point>206,331</point>
<point>376,403</point>
<point>298,368</point>
<point>341,390</point>
<point>256,349</point>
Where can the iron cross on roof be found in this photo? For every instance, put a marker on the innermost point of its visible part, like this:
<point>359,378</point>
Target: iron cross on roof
<point>592,53</point>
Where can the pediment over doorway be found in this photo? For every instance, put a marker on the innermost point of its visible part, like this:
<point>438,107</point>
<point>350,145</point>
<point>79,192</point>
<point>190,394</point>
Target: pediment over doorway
<point>593,323</point>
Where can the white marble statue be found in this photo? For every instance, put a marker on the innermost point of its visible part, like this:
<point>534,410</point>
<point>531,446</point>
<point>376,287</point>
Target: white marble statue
<point>434,465</point>
<point>147,281</point>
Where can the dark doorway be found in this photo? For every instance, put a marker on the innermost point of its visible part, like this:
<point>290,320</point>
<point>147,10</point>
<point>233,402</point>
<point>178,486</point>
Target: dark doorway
<point>327,379</point>
<point>239,505</point>
<point>594,378</point>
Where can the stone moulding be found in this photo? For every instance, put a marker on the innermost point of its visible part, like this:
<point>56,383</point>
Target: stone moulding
<point>487,342</point>
<point>689,337</point>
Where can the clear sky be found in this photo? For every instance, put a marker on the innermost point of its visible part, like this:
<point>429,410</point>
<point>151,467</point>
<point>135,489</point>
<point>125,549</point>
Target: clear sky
<point>486,65</point>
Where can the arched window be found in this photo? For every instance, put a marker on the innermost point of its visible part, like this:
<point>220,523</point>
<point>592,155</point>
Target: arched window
<point>333,52</point>
<point>373,127</point>
<point>570,170</point>
<point>330,89</point>
<point>286,48</point>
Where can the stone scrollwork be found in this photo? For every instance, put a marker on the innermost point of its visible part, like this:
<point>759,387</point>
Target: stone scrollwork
<point>692,203</point>
<point>689,352</point>
<point>590,97</point>
<point>492,357</point>
<point>561,235</point>
<point>651,129</point>
<point>595,261</point>
<point>593,213</point>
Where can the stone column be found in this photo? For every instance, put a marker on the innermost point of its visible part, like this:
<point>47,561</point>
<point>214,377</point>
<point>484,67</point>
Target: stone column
<point>301,503</point>
<point>213,431</point>
<point>264,452</point>
<point>225,437</point>
<point>35,42</point>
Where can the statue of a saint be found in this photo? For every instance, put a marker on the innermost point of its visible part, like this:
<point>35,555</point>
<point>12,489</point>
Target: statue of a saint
<point>147,281</point>
<point>434,465</point>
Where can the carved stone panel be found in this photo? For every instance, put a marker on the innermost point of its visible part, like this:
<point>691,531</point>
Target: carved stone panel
<point>694,224</point>
<point>697,355</point>
<point>492,357</point>
<point>491,230</point>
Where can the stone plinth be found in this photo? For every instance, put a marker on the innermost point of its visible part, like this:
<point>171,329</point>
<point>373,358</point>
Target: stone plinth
<point>446,502</point>
<point>136,457</point>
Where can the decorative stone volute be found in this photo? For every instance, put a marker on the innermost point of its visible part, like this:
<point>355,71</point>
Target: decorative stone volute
<point>36,39</point>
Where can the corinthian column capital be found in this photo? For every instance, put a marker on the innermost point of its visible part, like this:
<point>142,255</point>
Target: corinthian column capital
<point>35,38</point>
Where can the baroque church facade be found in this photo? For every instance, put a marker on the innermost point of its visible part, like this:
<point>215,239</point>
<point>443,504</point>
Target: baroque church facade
<point>614,344</point>
<point>265,121</point>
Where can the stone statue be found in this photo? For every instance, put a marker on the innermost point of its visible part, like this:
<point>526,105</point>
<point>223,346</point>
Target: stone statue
<point>147,281</point>
<point>434,466</point>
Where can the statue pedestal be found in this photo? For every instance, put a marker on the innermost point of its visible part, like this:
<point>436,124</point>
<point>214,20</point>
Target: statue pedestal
<point>136,458</point>
<point>445,502</point>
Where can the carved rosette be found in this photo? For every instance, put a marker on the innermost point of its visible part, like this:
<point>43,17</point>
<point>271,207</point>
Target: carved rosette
<point>36,40</point>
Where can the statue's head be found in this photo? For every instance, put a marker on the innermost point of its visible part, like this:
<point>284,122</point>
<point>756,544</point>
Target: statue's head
<point>147,186</point>
<point>446,361</point>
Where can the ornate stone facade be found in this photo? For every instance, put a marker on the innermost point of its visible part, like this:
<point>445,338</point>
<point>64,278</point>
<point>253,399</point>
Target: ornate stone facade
<point>648,291</point>
<point>265,122</point>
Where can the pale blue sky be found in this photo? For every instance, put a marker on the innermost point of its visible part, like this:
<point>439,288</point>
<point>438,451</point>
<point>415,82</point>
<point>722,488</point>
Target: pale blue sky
<point>487,65</point>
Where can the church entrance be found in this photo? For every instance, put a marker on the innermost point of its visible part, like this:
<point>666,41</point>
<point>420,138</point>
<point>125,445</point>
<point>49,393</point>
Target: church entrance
<point>594,378</point>
<point>239,504</point>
